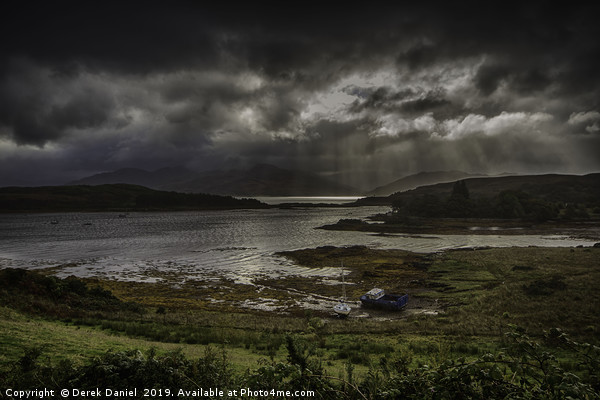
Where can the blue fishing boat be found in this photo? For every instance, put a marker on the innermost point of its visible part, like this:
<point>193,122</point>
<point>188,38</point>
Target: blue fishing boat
<point>377,298</point>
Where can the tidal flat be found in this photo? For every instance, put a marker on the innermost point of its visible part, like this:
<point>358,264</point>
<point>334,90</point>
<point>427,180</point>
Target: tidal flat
<point>467,292</point>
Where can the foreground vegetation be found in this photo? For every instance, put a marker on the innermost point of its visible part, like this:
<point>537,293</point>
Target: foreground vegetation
<point>486,323</point>
<point>524,371</point>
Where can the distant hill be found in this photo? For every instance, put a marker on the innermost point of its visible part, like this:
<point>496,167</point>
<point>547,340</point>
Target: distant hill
<point>135,176</point>
<point>550,187</point>
<point>420,179</point>
<point>114,197</point>
<point>261,180</point>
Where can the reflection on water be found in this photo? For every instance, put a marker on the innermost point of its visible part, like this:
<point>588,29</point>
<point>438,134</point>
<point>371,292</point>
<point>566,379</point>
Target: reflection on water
<point>313,199</point>
<point>238,244</point>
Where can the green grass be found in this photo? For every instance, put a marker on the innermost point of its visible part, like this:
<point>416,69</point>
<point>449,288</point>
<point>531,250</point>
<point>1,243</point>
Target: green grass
<point>59,340</point>
<point>495,286</point>
<point>64,341</point>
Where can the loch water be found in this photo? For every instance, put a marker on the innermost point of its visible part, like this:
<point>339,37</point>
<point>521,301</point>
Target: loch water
<point>236,244</point>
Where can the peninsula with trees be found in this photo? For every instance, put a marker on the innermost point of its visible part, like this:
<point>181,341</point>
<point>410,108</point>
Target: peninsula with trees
<point>568,204</point>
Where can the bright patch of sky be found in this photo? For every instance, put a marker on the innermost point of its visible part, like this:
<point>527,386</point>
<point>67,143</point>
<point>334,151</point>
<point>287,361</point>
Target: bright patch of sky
<point>333,102</point>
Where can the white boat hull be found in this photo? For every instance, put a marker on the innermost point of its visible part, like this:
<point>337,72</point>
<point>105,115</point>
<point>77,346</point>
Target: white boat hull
<point>342,309</point>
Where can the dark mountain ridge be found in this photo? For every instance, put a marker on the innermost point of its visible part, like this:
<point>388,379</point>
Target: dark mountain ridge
<point>260,180</point>
<point>420,179</point>
<point>135,176</point>
<point>550,187</point>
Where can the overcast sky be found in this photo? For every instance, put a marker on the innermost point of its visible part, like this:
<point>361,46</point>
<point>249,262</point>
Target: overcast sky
<point>364,94</point>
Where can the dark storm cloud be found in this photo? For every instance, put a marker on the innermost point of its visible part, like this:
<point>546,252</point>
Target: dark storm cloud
<point>318,86</point>
<point>42,107</point>
<point>490,76</point>
<point>523,80</point>
<point>131,37</point>
<point>405,103</point>
<point>142,37</point>
<point>429,101</point>
<point>527,47</point>
<point>380,98</point>
<point>282,42</point>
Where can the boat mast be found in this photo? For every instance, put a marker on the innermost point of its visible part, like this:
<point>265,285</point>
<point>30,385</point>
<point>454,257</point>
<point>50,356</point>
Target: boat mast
<point>343,283</point>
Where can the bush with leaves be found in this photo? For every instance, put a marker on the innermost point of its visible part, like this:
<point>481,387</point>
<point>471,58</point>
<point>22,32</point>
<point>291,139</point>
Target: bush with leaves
<point>526,369</point>
<point>120,370</point>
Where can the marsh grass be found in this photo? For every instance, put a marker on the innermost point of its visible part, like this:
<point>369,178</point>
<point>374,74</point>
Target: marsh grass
<point>537,288</point>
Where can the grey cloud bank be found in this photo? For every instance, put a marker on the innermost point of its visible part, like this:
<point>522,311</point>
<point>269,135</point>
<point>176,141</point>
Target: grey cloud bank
<point>361,94</point>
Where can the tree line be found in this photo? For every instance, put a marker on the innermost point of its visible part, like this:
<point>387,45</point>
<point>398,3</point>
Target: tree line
<point>508,204</point>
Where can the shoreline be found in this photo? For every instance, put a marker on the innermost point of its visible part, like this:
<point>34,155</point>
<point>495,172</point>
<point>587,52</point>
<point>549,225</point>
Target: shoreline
<point>585,229</point>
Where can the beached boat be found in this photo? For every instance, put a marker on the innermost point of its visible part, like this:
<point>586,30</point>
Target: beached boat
<point>377,298</point>
<point>342,309</point>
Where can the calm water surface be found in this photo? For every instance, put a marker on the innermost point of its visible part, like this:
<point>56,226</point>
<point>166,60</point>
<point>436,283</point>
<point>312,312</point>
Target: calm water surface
<point>238,245</point>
